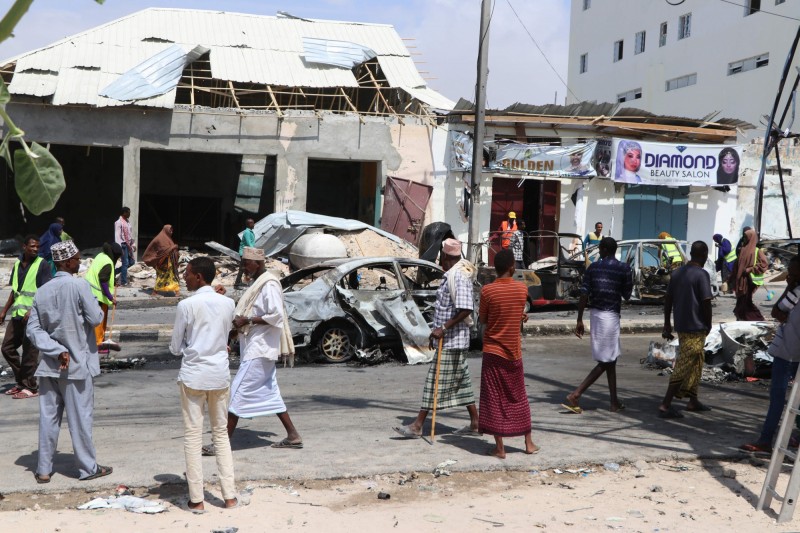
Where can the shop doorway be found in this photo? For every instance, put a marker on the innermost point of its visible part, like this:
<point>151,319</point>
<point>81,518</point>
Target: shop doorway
<point>651,209</point>
<point>347,189</point>
<point>536,202</point>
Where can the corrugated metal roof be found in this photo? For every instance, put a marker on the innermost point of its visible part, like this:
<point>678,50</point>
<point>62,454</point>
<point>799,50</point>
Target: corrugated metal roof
<point>430,97</point>
<point>243,48</point>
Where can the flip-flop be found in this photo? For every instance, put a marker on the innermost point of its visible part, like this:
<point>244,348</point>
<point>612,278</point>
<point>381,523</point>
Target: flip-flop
<point>186,507</point>
<point>572,408</point>
<point>620,407</point>
<point>702,408</point>
<point>208,451</point>
<point>467,431</point>
<point>535,450</point>
<point>101,471</point>
<point>286,443</point>
<point>756,448</point>
<point>42,479</point>
<point>406,432</point>
<point>669,413</point>
<point>24,394</point>
<point>13,390</point>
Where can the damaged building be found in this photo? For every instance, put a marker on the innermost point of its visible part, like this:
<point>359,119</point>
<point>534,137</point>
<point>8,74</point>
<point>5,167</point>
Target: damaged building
<point>202,119</point>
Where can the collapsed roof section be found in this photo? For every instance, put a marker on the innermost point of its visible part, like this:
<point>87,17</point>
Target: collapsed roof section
<point>167,57</point>
<point>607,118</point>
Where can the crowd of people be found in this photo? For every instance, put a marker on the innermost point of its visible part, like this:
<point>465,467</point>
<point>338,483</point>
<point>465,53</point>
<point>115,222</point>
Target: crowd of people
<point>59,321</point>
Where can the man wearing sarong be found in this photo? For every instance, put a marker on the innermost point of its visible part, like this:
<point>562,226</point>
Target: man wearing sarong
<point>689,293</point>
<point>61,326</point>
<point>200,338</point>
<point>264,337</point>
<point>454,305</point>
<point>505,411</point>
<point>605,283</point>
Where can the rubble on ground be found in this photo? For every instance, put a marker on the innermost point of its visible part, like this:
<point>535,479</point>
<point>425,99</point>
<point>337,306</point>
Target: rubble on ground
<point>367,243</point>
<point>733,351</point>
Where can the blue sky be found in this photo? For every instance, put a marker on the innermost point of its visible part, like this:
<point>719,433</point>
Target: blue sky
<point>445,32</point>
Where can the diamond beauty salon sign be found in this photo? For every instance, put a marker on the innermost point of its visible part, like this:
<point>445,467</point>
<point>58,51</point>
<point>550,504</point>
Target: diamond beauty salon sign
<point>649,163</point>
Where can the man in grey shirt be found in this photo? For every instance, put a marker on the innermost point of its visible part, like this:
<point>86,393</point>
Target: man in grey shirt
<point>61,326</point>
<point>689,293</point>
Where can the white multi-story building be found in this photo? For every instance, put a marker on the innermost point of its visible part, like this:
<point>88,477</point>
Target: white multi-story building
<point>702,59</point>
<point>686,58</point>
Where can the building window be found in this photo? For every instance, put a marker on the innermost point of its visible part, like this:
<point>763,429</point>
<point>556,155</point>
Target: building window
<point>752,6</point>
<point>778,2</point>
<point>584,62</point>
<point>684,26</point>
<point>748,64</point>
<point>587,4</point>
<point>635,94</point>
<point>662,35</point>
<point>617,51</point>
<point>639,46</point>
<point>680,83</point>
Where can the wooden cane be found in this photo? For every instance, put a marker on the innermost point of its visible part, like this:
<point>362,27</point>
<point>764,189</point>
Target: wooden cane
<point>436,389</point>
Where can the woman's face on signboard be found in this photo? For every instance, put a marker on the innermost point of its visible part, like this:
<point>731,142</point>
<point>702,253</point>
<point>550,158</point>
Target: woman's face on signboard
<point>633,160</point>
<point>729,164</point>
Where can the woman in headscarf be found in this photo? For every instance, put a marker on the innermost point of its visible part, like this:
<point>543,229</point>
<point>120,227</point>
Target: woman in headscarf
<point>48,239</point>
<point>162,254</point>
<point>749,269</point>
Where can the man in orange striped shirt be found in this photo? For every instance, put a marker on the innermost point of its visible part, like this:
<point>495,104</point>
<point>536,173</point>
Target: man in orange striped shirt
<point>504,409</point>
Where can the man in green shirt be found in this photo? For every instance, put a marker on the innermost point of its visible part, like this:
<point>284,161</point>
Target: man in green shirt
<point>248,241</point>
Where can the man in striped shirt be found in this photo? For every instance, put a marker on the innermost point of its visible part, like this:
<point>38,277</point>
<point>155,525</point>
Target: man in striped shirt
<point>505,411</point>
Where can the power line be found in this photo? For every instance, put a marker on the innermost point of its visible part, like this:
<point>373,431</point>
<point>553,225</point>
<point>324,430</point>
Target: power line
<point>759,11</point>
<point>542,51</point>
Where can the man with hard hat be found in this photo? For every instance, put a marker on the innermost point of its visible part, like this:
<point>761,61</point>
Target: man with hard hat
<point>507,229</point>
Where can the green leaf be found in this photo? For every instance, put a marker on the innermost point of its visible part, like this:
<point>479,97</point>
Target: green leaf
<point>39,180</point>
<point>5,96</point>
<point>5,153</point>
<point>12,16</point>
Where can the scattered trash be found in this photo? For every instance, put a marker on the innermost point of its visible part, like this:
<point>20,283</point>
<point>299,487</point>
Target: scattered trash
<point>494,524</point>
<point>566,486</point>
<point>636,514</point>
<point>441,468</point>
<point>433,518</point>
<point>225,530</point>
<point>656,488</point>
<point>534,472</point>
<point>557,471</point>
<point>384,495</point>
<point>729,473</point>
<point>124,490</point>
<point>129,503</point>
<point>661,355</point>
<point>611,467</point>
<point>578,509</point>
<point>615,519</point>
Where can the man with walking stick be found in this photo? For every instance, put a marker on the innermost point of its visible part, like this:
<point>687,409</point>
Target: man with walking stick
<point>452,316</point>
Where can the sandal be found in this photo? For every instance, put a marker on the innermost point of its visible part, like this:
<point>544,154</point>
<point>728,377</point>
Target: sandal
<point>467,431</point>
<point>756,448</point>
<point>208,451</point>
<point>40,478</point>
<point>669,413</point>
<point>286,443</point>
<point>101,471</point>
<point>572,408</point>
<point>406,432</point>
<point>24,394</point>
<point>13,390</point>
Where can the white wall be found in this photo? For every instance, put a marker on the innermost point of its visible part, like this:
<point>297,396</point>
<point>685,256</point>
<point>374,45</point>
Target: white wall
<point>720,34</point>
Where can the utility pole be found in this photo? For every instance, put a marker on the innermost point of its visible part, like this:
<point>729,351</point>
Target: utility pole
<point>473,231</point>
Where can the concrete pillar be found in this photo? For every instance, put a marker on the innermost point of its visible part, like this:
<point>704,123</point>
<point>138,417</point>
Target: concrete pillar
<point>291,183</point>
<point>131,165</point>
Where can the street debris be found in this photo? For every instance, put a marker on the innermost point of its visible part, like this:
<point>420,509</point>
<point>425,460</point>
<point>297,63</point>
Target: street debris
<point>611,467</point>
<point>661,355</point>
<point>384,495</point>
<point>225,530</point>
<point>442,470</point>
<point>129,503</point>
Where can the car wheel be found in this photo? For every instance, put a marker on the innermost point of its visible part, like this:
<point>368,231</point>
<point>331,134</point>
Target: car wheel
<point>337,344</point>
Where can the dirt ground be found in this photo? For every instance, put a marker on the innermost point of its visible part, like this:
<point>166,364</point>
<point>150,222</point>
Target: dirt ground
<point>666,496</point>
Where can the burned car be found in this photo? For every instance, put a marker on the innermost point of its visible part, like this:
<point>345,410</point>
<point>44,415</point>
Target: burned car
<point>651,266</point>
<point>554,279</point>
<point>344,307</point>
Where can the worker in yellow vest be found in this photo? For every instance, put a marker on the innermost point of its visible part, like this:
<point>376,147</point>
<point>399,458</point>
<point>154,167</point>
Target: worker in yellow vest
<point>669,254</point>
<point>27,275</point>
<point>726,256</point>
<point>101,279</point>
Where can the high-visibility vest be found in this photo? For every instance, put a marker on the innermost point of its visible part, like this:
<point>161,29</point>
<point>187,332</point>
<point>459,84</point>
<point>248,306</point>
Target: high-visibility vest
<point>758,279</point>
<point>505,237</point>
<point>23,296</point>
<point>93,277</point>
<point>731,257</point>
<point>671,254</point>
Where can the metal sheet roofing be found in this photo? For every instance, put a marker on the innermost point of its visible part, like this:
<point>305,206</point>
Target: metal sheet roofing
<point>243,48</point>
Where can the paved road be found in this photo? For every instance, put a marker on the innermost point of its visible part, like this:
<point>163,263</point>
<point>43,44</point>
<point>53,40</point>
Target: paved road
<point>345,414</point>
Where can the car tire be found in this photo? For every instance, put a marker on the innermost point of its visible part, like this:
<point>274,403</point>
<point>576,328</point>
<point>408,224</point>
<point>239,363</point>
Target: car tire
<point>337,343</point>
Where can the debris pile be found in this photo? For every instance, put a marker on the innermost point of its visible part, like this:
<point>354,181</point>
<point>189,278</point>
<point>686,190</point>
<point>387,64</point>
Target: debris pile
<point>367,243</point>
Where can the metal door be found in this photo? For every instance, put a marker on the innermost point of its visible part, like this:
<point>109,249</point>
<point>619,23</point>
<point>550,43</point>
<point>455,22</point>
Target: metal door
<point>404,204</point>
<point>651,209</point>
